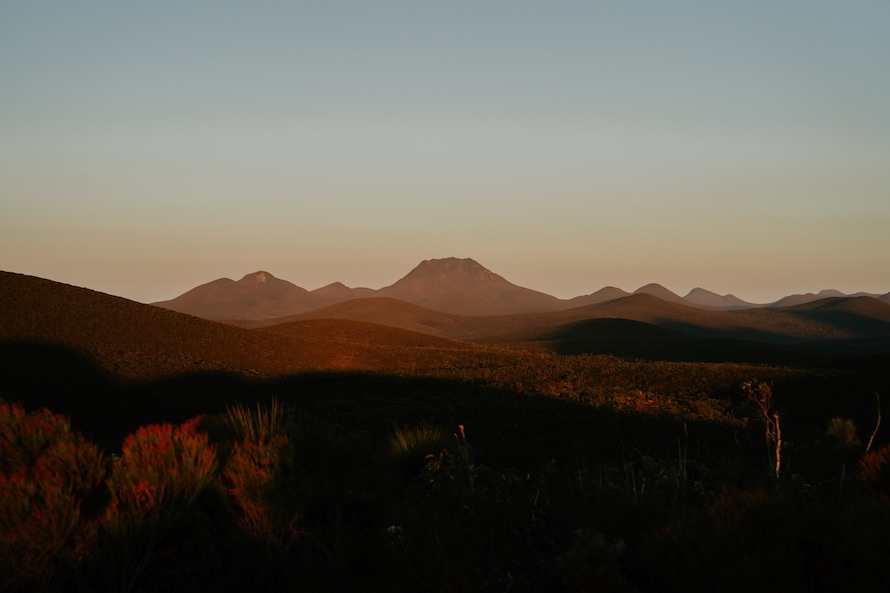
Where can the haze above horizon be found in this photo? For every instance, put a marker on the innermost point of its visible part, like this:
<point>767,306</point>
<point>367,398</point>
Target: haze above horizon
<point>741,147</point>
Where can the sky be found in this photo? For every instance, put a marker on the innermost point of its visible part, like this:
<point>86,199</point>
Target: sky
<point>743,147</point>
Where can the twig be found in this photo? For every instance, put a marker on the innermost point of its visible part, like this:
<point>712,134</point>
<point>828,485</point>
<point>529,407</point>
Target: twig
<point>877,424</point>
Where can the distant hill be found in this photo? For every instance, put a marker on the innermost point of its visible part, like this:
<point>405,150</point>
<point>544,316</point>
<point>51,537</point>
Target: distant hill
<point>259,295</point>
<point>661,292</point>
<point>338,292</point>
<point>809,297</point>
<point>705,298</point>
<point>609,293</point>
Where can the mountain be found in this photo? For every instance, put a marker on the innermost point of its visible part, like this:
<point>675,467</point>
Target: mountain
<point>256,296</point>
<point>464,287</point>
<point>793,300</point>
<point>449,285</point>
<point>338,292</point>
<point>705,298</point>
<point>661,292</point>
<point>609,293</point>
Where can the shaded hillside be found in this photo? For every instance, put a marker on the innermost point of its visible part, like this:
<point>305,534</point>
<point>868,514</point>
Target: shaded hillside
<point>381,311</point>
<point>828,320</point>
<point>259,295</point>
<point>131,339</point>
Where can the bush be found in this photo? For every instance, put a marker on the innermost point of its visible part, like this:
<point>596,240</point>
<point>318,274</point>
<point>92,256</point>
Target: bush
<point>46,473</point>
<point>413,448</point>
<point>255,474</point>
<point>262,424</point>
<point>160,473</point>
<point>843,432</point>
<point>160,465</point>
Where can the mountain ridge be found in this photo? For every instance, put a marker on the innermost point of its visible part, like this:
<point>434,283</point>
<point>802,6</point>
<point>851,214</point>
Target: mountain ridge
<point>451,285</point>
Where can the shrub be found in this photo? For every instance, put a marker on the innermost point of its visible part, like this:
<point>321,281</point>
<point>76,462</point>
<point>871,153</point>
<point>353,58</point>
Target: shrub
<point>413,448</point>
<point>592,564</point>
<point>843,432</point>
<point>162,464</point>
<point>262,424</point>
<point>873,469</point>
<point>255,474</point>
<point>161,471</point>
<point>46,473</point>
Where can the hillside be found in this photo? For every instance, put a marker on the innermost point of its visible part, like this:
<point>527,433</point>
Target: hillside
<point>135,341</point>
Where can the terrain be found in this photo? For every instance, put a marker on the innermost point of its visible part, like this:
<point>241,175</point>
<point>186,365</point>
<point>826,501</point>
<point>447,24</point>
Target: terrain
<point>609,443</point>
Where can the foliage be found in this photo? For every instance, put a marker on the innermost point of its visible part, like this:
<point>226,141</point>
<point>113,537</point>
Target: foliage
<point>160,465</point>
<point>592,564</point>
<point>873,469</point>
<point>154,483</point>
<point>261,424</point>
<point>47,471</point>
<point>584,473</point>
<point>843,432</point>
<point>413,448</point>
<point>256,475</point>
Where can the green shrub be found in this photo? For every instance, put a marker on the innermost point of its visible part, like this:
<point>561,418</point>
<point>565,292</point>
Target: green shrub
<point>46,473</point>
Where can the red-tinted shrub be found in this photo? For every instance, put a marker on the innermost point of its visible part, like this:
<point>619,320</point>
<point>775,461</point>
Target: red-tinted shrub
<point>46,471</point>
<point>161,464</point>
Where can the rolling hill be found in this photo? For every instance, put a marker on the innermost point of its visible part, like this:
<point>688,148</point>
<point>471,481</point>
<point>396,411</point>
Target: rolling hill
<point>131,340</point>
<point>833,320</point>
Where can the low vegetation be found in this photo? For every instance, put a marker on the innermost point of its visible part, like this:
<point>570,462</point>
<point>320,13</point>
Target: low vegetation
<point>281,497</point>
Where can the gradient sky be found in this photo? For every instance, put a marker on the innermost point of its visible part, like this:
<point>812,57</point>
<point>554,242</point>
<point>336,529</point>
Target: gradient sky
<point>744,147</point>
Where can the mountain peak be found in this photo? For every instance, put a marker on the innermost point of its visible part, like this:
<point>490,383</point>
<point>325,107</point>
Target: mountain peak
<point>661,292</point>
<point>705,298</point>
<point>464,286</point>
<point>260,277</point>
<point>454,267</point>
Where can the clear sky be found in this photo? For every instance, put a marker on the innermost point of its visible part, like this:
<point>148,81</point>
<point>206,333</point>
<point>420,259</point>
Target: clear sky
<point>148,147</point>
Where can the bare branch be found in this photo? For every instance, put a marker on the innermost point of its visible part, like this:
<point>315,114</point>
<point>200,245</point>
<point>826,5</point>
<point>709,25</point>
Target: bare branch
<point>877,424</point>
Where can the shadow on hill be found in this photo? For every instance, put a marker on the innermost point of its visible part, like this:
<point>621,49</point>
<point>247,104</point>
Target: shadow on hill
<point>645,341</point>
<point>508,428</point>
